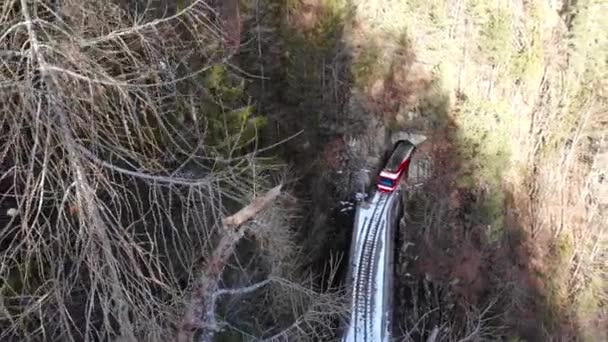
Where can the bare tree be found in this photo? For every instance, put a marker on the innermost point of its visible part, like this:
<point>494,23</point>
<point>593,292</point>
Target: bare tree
<point>118,164</point>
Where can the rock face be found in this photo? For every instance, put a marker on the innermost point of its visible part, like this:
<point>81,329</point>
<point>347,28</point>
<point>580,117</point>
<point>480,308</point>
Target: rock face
<point>367,144</point>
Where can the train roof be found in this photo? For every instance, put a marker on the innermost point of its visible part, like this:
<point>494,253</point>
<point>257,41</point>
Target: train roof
<point>402,151</point>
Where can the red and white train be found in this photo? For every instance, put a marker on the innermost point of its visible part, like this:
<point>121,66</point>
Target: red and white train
<point>397,166</point>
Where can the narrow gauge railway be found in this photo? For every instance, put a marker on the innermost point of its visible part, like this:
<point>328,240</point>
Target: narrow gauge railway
<point>371,262</point>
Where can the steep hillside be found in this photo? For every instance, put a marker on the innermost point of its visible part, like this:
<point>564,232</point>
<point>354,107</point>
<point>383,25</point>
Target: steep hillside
<point>142,144</point>
<point>511,100</point>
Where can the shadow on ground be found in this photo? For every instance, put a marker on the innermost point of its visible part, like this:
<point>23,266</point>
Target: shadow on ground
<point>465,262</point>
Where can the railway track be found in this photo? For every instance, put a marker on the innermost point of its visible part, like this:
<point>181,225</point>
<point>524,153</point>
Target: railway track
<point>371,270</point>
<point>364,281</point>
<point>371,257</point>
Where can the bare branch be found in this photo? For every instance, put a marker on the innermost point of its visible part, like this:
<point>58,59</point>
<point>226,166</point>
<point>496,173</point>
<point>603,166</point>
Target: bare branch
<point>252,209</point>
<point>136,29</point>
<point>434,334</point>
<point>200,311</point>
<point>244,290</point>
<point>155,178</point>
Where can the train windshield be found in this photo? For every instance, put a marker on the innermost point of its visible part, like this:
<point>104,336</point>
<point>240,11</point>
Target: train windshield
<point>386,182</point>
<point>398,155</point>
